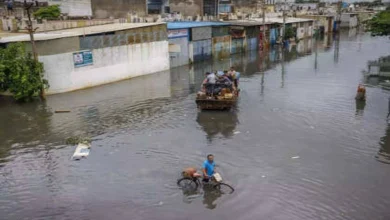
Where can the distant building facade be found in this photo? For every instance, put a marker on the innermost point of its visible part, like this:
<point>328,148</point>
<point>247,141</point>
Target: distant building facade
<point>118,8</point>
<point>74,8</point>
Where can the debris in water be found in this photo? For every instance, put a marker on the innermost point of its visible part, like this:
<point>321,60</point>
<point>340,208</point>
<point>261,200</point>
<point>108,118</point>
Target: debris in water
<point>312,127</point>
<point>263,176</point>
<point>61,111</point>
<point>82,151</point>
<point>160,203</point>
<point>77,140</point>
<point>236,132</point>
<point>295,157</point>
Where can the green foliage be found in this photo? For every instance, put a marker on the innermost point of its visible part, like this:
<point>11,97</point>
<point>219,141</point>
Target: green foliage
<point>379,25</point>
<point>289,33</point>
<point>51,12</point>
<point>20,74</point>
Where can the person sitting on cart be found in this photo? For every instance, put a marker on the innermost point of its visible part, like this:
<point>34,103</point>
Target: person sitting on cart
<point>234,76</point>
<point>208,168</point>
<point>225,79</point>
<point>209,82</point>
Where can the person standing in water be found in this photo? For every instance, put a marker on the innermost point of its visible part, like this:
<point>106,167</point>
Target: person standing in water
<point>208,168</point>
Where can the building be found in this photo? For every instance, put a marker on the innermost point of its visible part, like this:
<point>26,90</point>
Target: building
<point>247,35</point>
<point>303,27</point>
<point>118,8</point>
<point>158,6</point>
<point>191,41</point>
<point>349,20</point>
<point>85,57</point>
<point>324,23</point>
<point>187,8</point>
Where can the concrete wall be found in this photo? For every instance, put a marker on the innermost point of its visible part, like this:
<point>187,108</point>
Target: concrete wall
<point>245,6</point>
<point>349,20</point>
<point>321,21</point>
<point>117,8</point>
<point>109,65</point>
<point>187,8</point>
<point>304,29</point>
<point>201,33</point>
<point>221,47</point>
<point>74,8</point>
<point>67,24</point>
<point>181,57</point>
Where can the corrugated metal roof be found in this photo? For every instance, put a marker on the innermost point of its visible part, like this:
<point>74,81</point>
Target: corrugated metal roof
<point>76,32</point>
<point>192,24</point>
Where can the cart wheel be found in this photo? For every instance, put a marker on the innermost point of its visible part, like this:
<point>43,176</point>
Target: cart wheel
<point>187,183</point>
<point>224,188</point>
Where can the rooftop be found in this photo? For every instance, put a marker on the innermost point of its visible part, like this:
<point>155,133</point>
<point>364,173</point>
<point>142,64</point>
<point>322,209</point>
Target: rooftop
<point>249,22</point>
<point>192,24</point>
<point>75,32</point>
<point>289,20</point>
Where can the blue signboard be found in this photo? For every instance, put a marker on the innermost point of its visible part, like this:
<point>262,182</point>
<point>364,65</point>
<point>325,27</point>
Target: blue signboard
<point>83,58</point>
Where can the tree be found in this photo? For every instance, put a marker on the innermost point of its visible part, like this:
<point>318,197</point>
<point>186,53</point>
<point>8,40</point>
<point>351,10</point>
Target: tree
<point>20,74</point>
<point>379,25</point>
<point>51,12</point>
<point>289,33</point>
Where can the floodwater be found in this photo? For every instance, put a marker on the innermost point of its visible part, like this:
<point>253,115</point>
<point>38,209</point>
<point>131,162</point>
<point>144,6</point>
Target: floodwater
<point>298,146</point>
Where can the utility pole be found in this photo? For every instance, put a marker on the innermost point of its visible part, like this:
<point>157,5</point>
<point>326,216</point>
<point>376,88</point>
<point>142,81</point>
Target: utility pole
<point>30,29</point>
<point>263,10</point>
<point>284,20</point>
<point>339,5</point>
<point>31,32</point>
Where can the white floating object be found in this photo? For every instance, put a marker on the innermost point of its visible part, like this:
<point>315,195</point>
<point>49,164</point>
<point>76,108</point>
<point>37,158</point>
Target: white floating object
<point>296,157</point>
<point>237,132</point>
<point>82,150</point>
<point>263,176</point>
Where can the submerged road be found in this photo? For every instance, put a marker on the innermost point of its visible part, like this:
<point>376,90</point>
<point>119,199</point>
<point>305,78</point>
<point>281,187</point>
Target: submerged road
<point>297,147</point>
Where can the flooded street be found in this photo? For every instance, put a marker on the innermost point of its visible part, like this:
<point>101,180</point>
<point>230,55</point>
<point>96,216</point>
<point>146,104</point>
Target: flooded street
<point>298,146</point>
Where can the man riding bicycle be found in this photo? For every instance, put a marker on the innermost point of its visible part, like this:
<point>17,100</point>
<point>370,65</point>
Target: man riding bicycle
<point>208,169</point>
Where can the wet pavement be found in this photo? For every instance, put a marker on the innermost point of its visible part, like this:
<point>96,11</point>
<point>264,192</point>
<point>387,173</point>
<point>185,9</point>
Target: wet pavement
<point>298,145</point>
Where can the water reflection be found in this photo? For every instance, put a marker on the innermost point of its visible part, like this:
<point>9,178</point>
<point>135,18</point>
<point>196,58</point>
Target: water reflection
<point>217,122</point>
<point>384,151</point>
<point>210,196</point>
<point>360,105</point>
<point>189,195</point>
<point>22,125</point>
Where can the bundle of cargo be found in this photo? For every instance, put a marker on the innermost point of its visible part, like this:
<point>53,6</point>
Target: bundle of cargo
<point>217,99</point>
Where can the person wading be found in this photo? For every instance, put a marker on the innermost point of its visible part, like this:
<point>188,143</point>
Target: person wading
<point>208,168</point>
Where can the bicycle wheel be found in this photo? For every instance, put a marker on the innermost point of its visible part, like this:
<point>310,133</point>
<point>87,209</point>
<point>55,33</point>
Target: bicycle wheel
<point>224,188</point>
<point>187,183</point>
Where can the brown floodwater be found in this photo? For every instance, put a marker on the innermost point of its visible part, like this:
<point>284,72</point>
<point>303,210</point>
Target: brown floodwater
<point>298,146</point>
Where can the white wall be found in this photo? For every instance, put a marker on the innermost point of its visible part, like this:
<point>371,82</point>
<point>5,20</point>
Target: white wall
<point>348,20</point>
<point>300,30</point>
<point>109,65</point>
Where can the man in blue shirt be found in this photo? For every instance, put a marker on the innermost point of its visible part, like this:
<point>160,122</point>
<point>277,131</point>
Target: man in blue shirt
<point>208,168</point>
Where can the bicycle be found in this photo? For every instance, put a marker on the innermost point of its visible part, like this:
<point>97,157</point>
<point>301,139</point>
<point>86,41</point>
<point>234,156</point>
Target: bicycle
<point>215,181</point>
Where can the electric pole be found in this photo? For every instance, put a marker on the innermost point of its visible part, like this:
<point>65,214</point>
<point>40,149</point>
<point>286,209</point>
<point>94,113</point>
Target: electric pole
<point>339,5</point>
<point>31,32</point>
<point>284,20</point>
<point>263,10</point>
<point>30,29</point>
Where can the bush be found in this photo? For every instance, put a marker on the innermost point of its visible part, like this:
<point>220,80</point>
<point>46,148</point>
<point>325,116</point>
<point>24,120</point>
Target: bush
<point>51,12</point>
<point>20,74</point>
<point>380,24</point>
<point>289,33</point>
